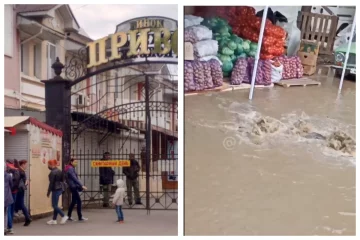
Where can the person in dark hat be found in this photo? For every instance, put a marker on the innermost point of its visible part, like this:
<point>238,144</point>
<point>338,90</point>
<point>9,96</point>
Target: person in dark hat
<point>106,180</point>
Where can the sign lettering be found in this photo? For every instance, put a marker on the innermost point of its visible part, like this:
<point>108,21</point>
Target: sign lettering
<point>147,38</point>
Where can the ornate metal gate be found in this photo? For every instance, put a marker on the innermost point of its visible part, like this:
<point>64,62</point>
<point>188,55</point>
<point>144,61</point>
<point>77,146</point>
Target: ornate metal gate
<point>123,112</point>
<point>122,108</point>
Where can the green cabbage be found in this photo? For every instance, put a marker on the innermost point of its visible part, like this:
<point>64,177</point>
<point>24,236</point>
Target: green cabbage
<point>243,55</point>
<point>227,51</point>
<point>252,53</point>
<point>239,50</point>
<point>236,39</point>
<point>253,46</point>
<point>246,46</point>
<point>233,58</point>
<point>227,66</point>
<point>224,58</point>
<point>232,45</point>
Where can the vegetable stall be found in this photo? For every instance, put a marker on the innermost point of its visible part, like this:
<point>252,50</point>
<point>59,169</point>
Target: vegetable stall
<point>227,40</point>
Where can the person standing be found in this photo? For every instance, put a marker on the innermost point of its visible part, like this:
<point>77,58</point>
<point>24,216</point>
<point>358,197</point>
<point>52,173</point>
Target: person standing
<point>75,187</point>
<point>14,172</point>
<point>132,174</point>
<point>106,180</point>
<point>8,199</point>
<point>118,200</point>
<point>56,190</point>
<point>20,198</point>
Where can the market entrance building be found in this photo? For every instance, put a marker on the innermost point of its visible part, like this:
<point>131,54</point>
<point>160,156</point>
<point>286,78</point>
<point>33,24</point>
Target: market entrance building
<point>119,95</point>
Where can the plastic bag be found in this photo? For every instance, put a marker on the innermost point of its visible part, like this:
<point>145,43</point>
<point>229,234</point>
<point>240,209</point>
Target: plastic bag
<point>240,72</point>
<point>343,37</point>
<point>198,75</point>
<point>293,38</point>
<point>208,82</point>
<point>189,84</point>
<point>206,48</point>
<point>292,67</point>
<point>263,72</point>
<point>190,20</point>
<point>199,32</point>
<point>276,72</point>
<point>208,58</point>
<point>216,72</point>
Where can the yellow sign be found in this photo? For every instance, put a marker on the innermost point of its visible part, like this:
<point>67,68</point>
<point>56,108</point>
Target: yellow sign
<point>147,38</point>
<point>110,163</point>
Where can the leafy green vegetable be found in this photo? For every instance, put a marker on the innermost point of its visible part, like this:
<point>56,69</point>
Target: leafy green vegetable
<point>224,58</point>
<point>253,46</point>
<point>246,46</point>
<point>252,53</point>
<point>232,45</point>
<point>236,39</point>
<point>243,55</point>
<point>227,66</point>
<point>239,50</point>
<point>248,41</point>
<point>233,58</point>
<point>227,51</point>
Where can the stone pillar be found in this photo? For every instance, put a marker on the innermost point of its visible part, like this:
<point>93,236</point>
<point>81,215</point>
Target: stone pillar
<point>58,111</point>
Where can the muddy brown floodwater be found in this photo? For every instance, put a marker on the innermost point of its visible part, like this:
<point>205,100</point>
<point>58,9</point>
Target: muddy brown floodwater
<point>276,182</point>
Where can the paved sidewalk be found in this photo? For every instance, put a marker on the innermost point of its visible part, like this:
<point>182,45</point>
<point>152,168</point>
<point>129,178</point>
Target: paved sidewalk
<point>102,223</point>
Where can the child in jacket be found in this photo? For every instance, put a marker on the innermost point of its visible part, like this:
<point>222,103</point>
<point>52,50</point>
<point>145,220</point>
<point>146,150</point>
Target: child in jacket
<point>118,199</point>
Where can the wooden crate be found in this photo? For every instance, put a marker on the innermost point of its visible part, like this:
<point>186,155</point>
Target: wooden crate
<point>315,27</point>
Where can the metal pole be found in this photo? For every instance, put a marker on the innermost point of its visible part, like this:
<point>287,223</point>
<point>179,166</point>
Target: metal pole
<point>258,52</point>
<point>148,141</point>
<point>347,54</point>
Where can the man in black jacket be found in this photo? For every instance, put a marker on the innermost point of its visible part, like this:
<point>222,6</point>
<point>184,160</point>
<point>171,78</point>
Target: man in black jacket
<point>132,174</point>
<point>106,180</point>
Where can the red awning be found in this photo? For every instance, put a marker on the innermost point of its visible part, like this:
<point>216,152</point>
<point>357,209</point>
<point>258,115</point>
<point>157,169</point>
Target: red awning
<point>12,122</point>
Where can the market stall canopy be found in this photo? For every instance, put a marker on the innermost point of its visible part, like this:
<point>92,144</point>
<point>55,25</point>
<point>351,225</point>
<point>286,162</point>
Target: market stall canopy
<point>11,122</point>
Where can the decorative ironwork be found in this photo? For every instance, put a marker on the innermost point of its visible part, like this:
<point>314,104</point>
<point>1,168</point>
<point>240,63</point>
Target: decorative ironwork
<point>76,66</point>
<point>124,114</point>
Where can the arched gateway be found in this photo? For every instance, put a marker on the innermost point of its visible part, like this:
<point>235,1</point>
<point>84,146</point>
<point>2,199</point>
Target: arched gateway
<point>119,95</point>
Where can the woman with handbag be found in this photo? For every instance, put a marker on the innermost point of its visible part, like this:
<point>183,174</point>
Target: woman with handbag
<point>75,187</point>
<point>20,198</point>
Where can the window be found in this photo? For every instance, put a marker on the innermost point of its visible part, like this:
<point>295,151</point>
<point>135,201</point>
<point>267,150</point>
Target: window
<point>9,30</point>
<point>51,58</point>
<point>25,59</point>
<point>37,61</point>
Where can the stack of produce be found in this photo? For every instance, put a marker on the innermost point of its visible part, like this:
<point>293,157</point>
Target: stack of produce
<point>292,67</point>
<point>200,75</point>
<point>247,25</point>
<point>243,70</point>
<point>231,47</point>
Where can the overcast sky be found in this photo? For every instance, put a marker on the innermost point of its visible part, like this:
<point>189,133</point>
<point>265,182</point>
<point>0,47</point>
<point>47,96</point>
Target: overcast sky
<point>100,20</point>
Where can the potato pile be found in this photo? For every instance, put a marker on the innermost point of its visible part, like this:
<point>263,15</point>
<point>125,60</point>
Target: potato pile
<point>199,75</point>
<point>216,72</point>
<point>189,84</point>
<point>240,72</point>
<point>207,75</point>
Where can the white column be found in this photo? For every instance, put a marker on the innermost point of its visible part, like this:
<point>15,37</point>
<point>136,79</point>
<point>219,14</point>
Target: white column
<point>258,52</point>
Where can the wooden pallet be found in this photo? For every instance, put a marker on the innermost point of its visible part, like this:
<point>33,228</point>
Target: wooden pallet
<point>227,87</point>
<point>321,28</point>
<point>298,82</point>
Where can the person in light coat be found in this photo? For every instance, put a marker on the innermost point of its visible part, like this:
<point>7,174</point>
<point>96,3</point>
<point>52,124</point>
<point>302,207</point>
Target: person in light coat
<point>118,199</point>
